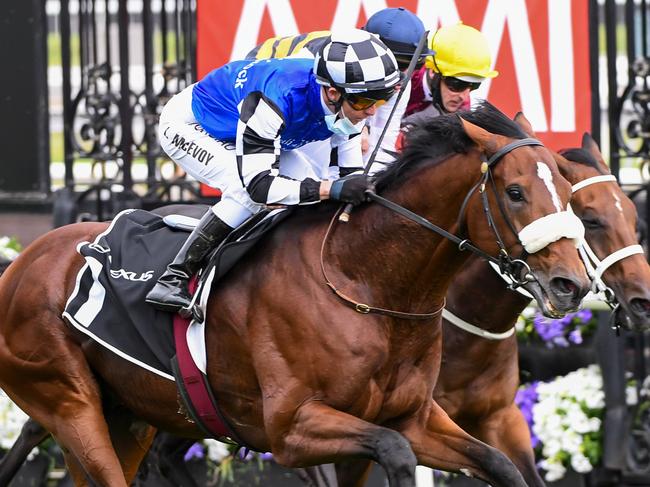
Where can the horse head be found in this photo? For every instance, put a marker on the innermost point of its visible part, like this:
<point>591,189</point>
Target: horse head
<point>614,259</point>
<point>531,198</point>
<point>517,210</point>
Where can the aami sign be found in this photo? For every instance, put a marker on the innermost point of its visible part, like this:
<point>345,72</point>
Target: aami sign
<point>540,47</point>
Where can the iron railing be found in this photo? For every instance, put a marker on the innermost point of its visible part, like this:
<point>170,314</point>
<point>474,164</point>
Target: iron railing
<point>131,58</point>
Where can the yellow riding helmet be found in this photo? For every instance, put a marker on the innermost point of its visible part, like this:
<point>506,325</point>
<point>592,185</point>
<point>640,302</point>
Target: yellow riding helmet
<point>461,52</point>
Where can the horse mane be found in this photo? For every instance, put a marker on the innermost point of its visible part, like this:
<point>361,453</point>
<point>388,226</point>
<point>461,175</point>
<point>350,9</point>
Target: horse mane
<point>581,156</point>
<point>440,137</point>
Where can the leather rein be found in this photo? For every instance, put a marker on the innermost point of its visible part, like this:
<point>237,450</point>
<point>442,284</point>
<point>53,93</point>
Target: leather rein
<point>504,261</point>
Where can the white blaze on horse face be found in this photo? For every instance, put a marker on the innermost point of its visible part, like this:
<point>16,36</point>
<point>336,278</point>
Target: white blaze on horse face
<point>545,175</point>
<point>618,202</point>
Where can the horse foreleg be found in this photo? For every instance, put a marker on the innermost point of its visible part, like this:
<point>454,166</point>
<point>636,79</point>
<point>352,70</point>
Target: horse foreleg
<point>31,435</point>
<point>353,473</point>
<point>131,439</point>
<point>317,433</point>
<point>507,431</point>
<point>440,443</point>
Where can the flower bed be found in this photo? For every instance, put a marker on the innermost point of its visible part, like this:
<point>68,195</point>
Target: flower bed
<point>564,416</point>
<point>533,327</point>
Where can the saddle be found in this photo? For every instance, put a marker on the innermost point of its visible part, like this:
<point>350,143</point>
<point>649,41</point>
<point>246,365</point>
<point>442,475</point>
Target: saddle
<point>122,265</point>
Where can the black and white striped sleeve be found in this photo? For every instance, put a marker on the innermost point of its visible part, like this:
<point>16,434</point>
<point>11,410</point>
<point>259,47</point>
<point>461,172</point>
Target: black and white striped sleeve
<point>257,148</point>
<point>346,156</point>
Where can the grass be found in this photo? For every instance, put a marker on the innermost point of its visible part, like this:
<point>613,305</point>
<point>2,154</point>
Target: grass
<point>54,48</point>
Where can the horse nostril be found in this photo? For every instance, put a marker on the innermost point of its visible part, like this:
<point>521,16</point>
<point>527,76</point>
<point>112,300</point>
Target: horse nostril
<point>640,306</point>
<point>565,286</point>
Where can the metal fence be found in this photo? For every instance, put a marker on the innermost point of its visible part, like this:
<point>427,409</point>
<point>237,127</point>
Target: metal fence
<point>120,63</point>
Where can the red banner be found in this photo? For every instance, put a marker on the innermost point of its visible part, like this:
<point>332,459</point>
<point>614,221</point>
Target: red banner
<point>540,47</point>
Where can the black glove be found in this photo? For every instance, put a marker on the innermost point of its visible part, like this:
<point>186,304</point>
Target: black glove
<point>350,189</point>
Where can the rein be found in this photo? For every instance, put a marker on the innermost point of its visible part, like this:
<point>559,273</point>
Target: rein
<point>505,262</point>
<point>362,307</point>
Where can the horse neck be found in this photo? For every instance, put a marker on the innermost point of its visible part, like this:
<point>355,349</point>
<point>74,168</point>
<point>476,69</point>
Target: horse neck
<point>398,261</point>
<point>480,296</point>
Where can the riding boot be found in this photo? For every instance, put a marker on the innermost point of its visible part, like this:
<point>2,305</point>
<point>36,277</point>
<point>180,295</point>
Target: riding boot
<point>171,292</point>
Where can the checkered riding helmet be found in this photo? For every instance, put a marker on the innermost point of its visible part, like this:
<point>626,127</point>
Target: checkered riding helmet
<point>356,61</point>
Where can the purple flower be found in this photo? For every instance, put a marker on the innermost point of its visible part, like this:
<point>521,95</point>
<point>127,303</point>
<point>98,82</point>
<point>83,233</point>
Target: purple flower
<point>525,399</point>
<point>575,336</point>
<point>195,451</point>
<point>584,315</point>
<point>560,341</point>
<point>266,456</point>
<point>245,454</point>
<point>549,329</point>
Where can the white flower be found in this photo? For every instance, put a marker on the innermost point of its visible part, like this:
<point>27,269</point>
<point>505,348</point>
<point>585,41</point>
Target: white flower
<point>580,463</point>
<point>568,408</point>
<point>6,252</point>
<point>631,396</point>
<point>520,325</point>
<point>217,451</point>
<point>554,469</point>
<point>529,312</point>
<point>12,419</point>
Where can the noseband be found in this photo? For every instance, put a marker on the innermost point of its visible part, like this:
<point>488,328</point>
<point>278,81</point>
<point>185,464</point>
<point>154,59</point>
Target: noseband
<point>596,267</point>
<point>507,265</point>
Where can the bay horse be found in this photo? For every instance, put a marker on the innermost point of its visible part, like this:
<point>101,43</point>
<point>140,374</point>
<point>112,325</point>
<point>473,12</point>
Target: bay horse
<point>315,380</point>
<point>479,374</point>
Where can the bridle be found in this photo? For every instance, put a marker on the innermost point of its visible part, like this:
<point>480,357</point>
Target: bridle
<point>594,266</point>
<point>507,265</point>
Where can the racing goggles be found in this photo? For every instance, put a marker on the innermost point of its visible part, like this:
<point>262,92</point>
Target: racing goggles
<point>359,103</point>
<point>458,85</point>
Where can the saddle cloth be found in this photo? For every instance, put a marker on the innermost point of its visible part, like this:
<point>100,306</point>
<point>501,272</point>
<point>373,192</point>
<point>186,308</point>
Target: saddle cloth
<point>122,265</point>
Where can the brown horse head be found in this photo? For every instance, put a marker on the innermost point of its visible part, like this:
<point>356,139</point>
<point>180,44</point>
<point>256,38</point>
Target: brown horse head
<point>529,198</point>
<point>615,259</point>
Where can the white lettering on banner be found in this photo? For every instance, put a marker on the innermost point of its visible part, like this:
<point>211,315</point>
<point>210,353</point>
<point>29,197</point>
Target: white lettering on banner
<point>443,12</point>
<point>248,29</point>
<point>523,53</point>
<point>563,113</point>
<point>514,13</point>
<point>347,12</point>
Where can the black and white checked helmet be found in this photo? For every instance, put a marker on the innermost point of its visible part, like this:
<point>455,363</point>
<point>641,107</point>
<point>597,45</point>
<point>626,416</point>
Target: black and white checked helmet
<point>356,61</point>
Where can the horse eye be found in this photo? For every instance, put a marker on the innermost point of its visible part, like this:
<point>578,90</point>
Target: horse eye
<point>515,193</point>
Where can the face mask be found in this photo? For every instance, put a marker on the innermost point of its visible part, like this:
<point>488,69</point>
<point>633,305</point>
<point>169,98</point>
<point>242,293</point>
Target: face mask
<point>342,125</point>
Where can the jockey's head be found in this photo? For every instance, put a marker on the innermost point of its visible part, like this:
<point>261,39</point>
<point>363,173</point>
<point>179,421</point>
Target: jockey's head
<point>358,72</point>
<point>462,61</point>
<point>401,30</point>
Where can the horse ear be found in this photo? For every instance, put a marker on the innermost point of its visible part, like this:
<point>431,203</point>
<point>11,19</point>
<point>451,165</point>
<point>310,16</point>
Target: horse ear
<point>525,125</point>
<point>486,141</point>
<point>590,145</point>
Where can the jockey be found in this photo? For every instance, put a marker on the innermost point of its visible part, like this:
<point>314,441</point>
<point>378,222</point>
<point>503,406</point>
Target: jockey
<point>400,30</point>
<point>462,61</point>
<point>227,131</point>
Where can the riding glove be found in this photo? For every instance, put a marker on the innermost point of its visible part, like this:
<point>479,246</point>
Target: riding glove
<point>350,189</point>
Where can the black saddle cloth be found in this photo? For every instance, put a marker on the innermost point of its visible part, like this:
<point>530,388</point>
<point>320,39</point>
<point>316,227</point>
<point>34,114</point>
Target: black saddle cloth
<point>123,264</point>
